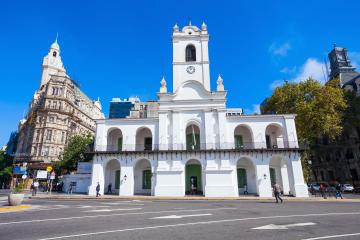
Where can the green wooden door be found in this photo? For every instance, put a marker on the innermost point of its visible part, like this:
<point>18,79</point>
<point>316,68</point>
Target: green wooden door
<point>272,176</point>
<point>193,170</point>
<point>239,143</point>
<point>146,183</point>
<point>119,144</point>
<point>117,179</point>
<point>241,177</point>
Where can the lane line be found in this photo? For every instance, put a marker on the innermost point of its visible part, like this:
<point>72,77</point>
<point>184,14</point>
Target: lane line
<point>115,209</point>
<point>115,214</point>
<point>192,223</point>
<point>333,236</point>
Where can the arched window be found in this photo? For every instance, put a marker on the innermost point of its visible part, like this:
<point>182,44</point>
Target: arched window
<point>54,54</point>
<point>190,53</point>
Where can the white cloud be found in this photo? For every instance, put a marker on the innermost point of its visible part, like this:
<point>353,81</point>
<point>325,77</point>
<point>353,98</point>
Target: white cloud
<point>280,50</point>
<point>355,59</point>
<point>311,68</point>
<point>288,70</point>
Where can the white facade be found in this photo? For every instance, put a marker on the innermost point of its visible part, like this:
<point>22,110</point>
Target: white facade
<point>196,145</point>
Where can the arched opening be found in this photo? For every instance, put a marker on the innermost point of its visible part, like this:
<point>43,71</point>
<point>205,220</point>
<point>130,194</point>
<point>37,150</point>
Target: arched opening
<point>279,173</point>
<point>243,137</point>
<point>193,178</point>
<point>142,177</point>
<point>143,140</point>
<point>274,136</point>
<point>190,53</point>
<point>192,137</point>
<point>112,177</point>
<point>246,176</point>
<point>115,140</point>
<point>54,54</point>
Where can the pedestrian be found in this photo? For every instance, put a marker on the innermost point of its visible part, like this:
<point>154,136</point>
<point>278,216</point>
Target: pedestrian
<point>246,190</point>
<point>322,190</point>
<point>70,189</point>
<point>277,191</point>
<point>338,191</point>
<point>35,187</point>
<point>109,188</point>
<point>98,189</point>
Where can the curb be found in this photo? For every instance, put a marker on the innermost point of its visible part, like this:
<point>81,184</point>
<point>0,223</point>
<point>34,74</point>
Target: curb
<point>14,208</point>
<point>149,198</point>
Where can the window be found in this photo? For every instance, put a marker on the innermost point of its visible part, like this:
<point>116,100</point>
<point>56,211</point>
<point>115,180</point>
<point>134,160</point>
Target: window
<point>37,135</point>
<point>146,179</point>
<point>239,144</point>
<point>190,53</point>
<point>241,177</point>
<point>54,54</point>
<point>192,141</point>
<point>48,135</point>
<point>51,119</point>
<point>46,151</point>
<point>148,143</point>
<point>119,144</point>
<point>62,137</point>
<point>272,176</point>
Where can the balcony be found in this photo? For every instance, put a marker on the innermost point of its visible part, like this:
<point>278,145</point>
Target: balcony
<point>246,146</point>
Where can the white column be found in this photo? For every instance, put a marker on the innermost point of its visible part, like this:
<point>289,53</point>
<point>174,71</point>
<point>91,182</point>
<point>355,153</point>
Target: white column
<point>126,181</point>
<point>97,176</point>
<point>209,133</point>
<point>285,179</point>
<point>178,142</point>
<point>222,129</point>
<point>163,131</point>
<point>296,177</point>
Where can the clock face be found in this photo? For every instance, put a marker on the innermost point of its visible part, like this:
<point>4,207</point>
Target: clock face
<point>190,69</point>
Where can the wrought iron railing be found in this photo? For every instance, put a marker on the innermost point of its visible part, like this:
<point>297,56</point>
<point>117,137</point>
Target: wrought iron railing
<point>201,146</point>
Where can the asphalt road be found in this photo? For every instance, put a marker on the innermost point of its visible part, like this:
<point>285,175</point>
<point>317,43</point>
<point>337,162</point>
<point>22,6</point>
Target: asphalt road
<point>162,220</point>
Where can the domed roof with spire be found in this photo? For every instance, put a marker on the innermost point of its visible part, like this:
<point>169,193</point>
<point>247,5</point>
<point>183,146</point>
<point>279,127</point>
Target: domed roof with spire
<point>55,44</point>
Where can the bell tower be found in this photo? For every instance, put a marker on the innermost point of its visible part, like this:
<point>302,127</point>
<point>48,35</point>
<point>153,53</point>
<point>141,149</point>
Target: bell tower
<point>190,55</point>
<point>52,64</point>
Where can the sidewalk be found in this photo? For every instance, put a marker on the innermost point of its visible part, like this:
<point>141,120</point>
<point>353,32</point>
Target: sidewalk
<point>63,196</point>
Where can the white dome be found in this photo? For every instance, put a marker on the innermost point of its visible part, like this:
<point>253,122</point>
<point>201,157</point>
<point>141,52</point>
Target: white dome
<point>55,45</point>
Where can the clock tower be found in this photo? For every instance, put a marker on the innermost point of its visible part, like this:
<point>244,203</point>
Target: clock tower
<point>190,56</point>
<point>52,64</point>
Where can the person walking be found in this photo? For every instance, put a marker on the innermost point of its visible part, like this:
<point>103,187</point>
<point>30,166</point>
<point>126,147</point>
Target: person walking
<point>322,190</point>
<point>109,188</point>
<point>246,190</point>
<point>70,189</point>
<point>277,191</point>
<point>338,191</point>
<point>98,189</point>
<point>35,187</point>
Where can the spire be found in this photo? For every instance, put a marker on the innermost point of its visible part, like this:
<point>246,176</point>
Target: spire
<point>55,44</point>
<point>189,21</point>
<point>163,88</point>
<point>220,85</point>
<point>203,26</point>
<point>176,28</point>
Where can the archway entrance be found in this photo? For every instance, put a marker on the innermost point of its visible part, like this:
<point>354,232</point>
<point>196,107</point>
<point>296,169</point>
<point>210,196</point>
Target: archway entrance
<point>115,140</point>
<point>112,177</point>
<point>143,140</point>
<point>142,177</point>
<point>193,178</point>
<point>279,173</point>
<point>243,137</point>
<point>274,136</point>
<point>246,176</point>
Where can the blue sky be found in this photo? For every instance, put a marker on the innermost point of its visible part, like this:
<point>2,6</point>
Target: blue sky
<point>122,48</point>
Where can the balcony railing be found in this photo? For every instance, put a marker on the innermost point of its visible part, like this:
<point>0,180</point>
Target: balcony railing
<point>202,146</point>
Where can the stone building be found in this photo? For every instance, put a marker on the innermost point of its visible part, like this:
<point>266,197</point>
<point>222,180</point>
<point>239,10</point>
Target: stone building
<point>339,160</point>
<point>58,110</point>
<point>195,144</point>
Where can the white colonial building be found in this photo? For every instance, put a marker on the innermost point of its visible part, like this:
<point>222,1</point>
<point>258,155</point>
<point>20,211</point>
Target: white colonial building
<point>196,145</point>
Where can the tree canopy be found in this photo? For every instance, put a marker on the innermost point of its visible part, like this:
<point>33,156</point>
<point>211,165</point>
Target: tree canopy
<point>319,108</point>
<point>74,152</point>
<point>6,162</point>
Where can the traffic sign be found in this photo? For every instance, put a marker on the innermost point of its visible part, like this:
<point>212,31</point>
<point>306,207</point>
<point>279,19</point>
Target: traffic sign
<point>49,168</point>
<point>24,176</point>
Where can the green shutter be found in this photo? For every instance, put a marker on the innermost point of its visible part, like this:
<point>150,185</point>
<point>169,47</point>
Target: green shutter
<point>119,144</point>
<point>238,141</point>
<point>241,176</point>
<point>272,176</point>
<point>147,179</point>
<point>117,179</point>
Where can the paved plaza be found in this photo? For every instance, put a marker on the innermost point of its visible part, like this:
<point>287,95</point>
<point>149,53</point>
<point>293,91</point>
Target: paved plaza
<point>185,219</point>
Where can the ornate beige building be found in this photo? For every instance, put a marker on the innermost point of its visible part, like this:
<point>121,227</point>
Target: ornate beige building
<point>58,110</point>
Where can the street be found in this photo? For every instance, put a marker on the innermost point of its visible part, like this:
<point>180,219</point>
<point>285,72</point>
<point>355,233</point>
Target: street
<point>134,219</point>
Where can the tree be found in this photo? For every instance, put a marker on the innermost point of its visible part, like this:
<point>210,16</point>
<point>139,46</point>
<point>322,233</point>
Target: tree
<point>74,151</point>
<point>319,108</point>
<point>6,162</point>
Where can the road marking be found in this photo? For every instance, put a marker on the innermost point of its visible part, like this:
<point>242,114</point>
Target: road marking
<point>283,227</point>
<point>194,223</point>
<point>334,236</point>
<point>115,214</point>
<point>115,209</point>
<point>181,216</point>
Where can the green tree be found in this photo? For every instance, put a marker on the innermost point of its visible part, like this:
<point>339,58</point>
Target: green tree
<point>6,162</point>
<point>319,110</point>
<point>74,152</point>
